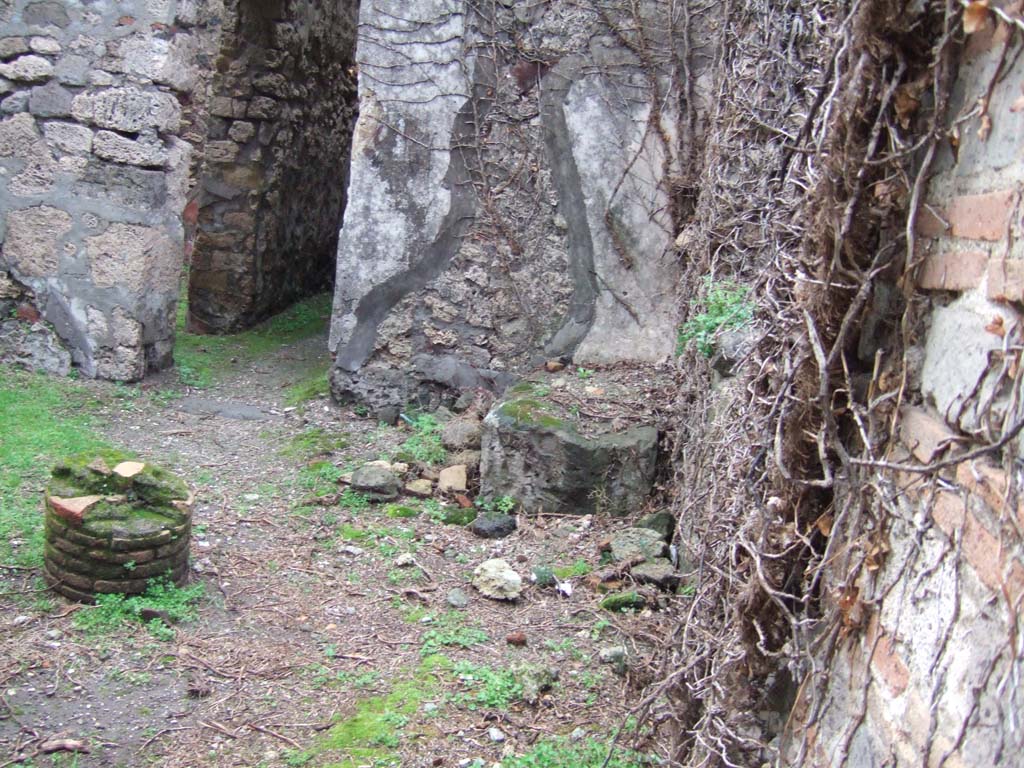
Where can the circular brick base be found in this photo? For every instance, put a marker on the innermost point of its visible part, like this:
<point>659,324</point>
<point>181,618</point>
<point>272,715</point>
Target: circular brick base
<point>113,525</point>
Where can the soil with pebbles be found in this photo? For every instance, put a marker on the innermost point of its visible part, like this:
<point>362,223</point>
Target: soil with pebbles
<point>302,600</point>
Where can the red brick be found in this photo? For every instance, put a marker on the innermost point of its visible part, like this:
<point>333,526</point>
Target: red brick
<point>1006,280</point>
<point>980,548</point>
<point>948,512</point>
<point>981,217</point>
<point>925,435</point>
<point>928,224</point>
<point>988,483</point>
<point>952,271</point>
<point>886,661</point>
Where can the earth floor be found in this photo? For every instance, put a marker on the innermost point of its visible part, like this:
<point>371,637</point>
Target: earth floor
<point>315,642</point>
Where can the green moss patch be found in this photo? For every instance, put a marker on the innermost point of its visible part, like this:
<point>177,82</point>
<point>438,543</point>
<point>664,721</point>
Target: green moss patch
<point>201,359</point>
<point>529,412</point>
<point>379,724</point>
<point>139,506</point>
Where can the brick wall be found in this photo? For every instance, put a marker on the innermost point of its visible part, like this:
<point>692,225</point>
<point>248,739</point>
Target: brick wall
<point>928,673</point>
<point>272,190</point>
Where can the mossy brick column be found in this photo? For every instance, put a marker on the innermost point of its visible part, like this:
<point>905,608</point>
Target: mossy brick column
<point>112,524</point>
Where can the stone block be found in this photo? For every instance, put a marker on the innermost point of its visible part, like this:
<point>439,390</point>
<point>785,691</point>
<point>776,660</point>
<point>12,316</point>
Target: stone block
<point>261,107</point>
<point>27,69</point>
<point>543,462</point>
<point>6,86</point>
<point>15,103</point>
<point>272,83</point>
<point>221,151</point>
<point>960,372</point>
<point>68,137</point>
<point>47,46</point>
<point>50,100</point>
<point>241,131</point>
<point>32,245</point>
<point>123,185</point>
<point>72,69</point>
<point>136,258</point>
<point>46,13</point>
<point>12,46</point>
<point>146,151</point>
<point>128,109</point>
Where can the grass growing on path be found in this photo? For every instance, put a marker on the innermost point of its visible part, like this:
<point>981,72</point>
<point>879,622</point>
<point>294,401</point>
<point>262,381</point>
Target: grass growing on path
<point>43,419</point>
<point>201,358</point>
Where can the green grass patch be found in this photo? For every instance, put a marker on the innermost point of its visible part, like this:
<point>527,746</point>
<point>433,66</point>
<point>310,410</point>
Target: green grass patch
<point>448,630</point>
<point>579,568</point>
<point>380,723</point>
<point>587,753</point>
<point>201,358</point>
<point>312,386</point>
<point>319,477</point>
<point>112,612</point>
<point>43,420</point>
<point>313,442</point>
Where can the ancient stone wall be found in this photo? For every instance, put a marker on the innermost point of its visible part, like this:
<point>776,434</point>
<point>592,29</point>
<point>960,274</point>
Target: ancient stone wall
<point>93,170</point>
<point>272,188</point>
<point>509,197</point>
<point>933,678</point>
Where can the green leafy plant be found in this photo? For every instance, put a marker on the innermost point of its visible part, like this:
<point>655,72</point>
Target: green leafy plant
<point>726,305</point>
<point>585,373</point>
<point>449,629</point>
<point>162,597</point>
<point>425,442</point>
<point>502,504</point>
<point>486,687</point>
<point>587,753</point>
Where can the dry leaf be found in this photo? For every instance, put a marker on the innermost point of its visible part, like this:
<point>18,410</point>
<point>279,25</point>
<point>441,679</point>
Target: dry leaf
<point>851,609</point>
<point>129,468</point>
<point>996,327</point>
<point>73,509</point>
<point>975,15</point>
<point>907,104</point>
<point>824,524</point>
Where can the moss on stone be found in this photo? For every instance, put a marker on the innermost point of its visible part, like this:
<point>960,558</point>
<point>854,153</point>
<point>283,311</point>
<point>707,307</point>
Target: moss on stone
<point>530,412</point>
<point>141,505</point>
<point>623,601</point>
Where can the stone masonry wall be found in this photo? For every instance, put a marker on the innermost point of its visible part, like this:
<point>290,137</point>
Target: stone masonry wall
<point>272,189</point>
<point>934,679</point>
<point>509,197</point>
<point>93,172</point>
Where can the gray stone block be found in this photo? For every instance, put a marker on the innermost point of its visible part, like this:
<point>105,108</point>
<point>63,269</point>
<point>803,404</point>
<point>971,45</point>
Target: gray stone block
<point>16,102</point>
<point>12,46</point>
<point>46,13</point>
<point>28,69</point>
<point>50,100</point>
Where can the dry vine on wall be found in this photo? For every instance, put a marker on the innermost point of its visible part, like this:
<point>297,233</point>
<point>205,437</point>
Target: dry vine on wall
<point>824,122</point>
